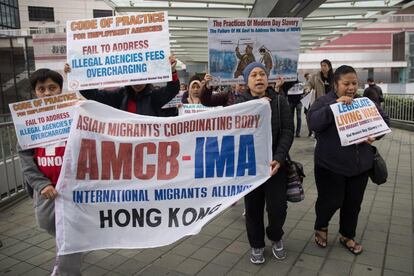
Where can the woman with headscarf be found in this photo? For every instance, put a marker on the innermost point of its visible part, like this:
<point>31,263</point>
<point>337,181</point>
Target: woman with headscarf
<point>194,91</point>
<point>272,193</point>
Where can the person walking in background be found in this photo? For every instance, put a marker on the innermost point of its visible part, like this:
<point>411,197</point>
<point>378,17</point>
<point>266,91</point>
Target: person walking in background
<point>295,94</point>
<point>341,172</point>
<point>272,193</point>
<point>321,82</point>
<point>307,77</point>
<point>373,92</point>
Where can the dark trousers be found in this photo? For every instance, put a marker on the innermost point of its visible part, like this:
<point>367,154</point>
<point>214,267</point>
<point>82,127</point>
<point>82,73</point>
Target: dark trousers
<point>335,192</point>
<point>298,108</point>
<point>273,193</point>
<point>305,110</point>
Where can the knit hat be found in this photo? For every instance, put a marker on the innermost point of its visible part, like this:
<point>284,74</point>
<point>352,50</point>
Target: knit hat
<point>250,67</point>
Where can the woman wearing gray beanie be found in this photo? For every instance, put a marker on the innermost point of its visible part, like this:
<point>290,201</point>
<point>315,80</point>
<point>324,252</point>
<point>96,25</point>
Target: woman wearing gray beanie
<point>273,191</point>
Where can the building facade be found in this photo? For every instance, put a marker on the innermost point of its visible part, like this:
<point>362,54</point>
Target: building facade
<point>48,16</point>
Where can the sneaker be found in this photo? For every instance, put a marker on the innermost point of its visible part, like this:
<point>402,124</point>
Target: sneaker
<point>278,250</point>
<point>257,256</point>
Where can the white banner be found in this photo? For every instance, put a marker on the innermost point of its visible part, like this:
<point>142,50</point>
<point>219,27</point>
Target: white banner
<point>118,51</point>
<point>43,121</point>
<point>308,99</point>
<point>357,121</point>
<point>234,43</point>
<point>131,181</point>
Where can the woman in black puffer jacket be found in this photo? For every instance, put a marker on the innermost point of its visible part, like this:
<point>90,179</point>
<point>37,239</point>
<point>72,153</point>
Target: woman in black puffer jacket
<point>273,191</point>
<point>341,172</point>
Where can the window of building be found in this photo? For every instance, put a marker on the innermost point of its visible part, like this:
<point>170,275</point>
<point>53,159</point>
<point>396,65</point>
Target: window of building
<point>102,13</point>
<point>9,14</point>
<point>41,14</point>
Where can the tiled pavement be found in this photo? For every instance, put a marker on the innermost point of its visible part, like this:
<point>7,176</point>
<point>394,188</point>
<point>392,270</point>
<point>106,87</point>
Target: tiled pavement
<point>385,229</point>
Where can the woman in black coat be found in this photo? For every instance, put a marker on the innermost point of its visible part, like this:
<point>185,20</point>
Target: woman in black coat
<point>341,172</point>
<point>273,191</point>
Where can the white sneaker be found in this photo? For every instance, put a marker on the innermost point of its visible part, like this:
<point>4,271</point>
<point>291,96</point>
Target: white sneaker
<point>257,256</point>
<point>278,250</point>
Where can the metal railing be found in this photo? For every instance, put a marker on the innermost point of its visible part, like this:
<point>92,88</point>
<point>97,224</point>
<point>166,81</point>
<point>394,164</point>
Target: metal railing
<point>400,107</point>
<point>11,182</point>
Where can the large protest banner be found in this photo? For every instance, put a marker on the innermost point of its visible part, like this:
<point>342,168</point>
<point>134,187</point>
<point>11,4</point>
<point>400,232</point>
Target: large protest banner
<point>119,50</point>
<point>234,43</point>
<point>357,121</point>
<point>132,181</point>
<point>43,121</point>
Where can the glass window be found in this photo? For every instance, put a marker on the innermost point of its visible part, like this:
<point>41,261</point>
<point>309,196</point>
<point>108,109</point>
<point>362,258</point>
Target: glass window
<point>17,18</point>
<point>41,14</point>
<point>12,18</point>
<point>411,62</point>
<point>7,16</point>
<point>2,14</point>
<point>411,49</point>
<point>102,13</point>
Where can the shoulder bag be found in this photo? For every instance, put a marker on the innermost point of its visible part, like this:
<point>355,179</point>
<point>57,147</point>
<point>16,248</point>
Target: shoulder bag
<point>379,172</point>
<point>295,173</point>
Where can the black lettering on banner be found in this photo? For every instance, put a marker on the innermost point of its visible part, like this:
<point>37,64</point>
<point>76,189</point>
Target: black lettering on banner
<point>138,217</point>
<point>157,219</point>
<point>103,218</point>
<point>215,208</point>
<point>172,214</point>
<point>203,212</point>
<point>194,216</point>
<point>118,215</point>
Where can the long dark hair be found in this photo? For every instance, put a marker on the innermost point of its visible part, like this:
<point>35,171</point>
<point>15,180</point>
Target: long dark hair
<point>330,73</point>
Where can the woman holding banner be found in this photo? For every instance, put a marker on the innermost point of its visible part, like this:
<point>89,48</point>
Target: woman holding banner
<point>141,99</point>
<point>341,172</point>
<point>273,191</point>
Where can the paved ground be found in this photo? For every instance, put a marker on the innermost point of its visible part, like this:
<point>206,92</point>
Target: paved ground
<point>385,229</point>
